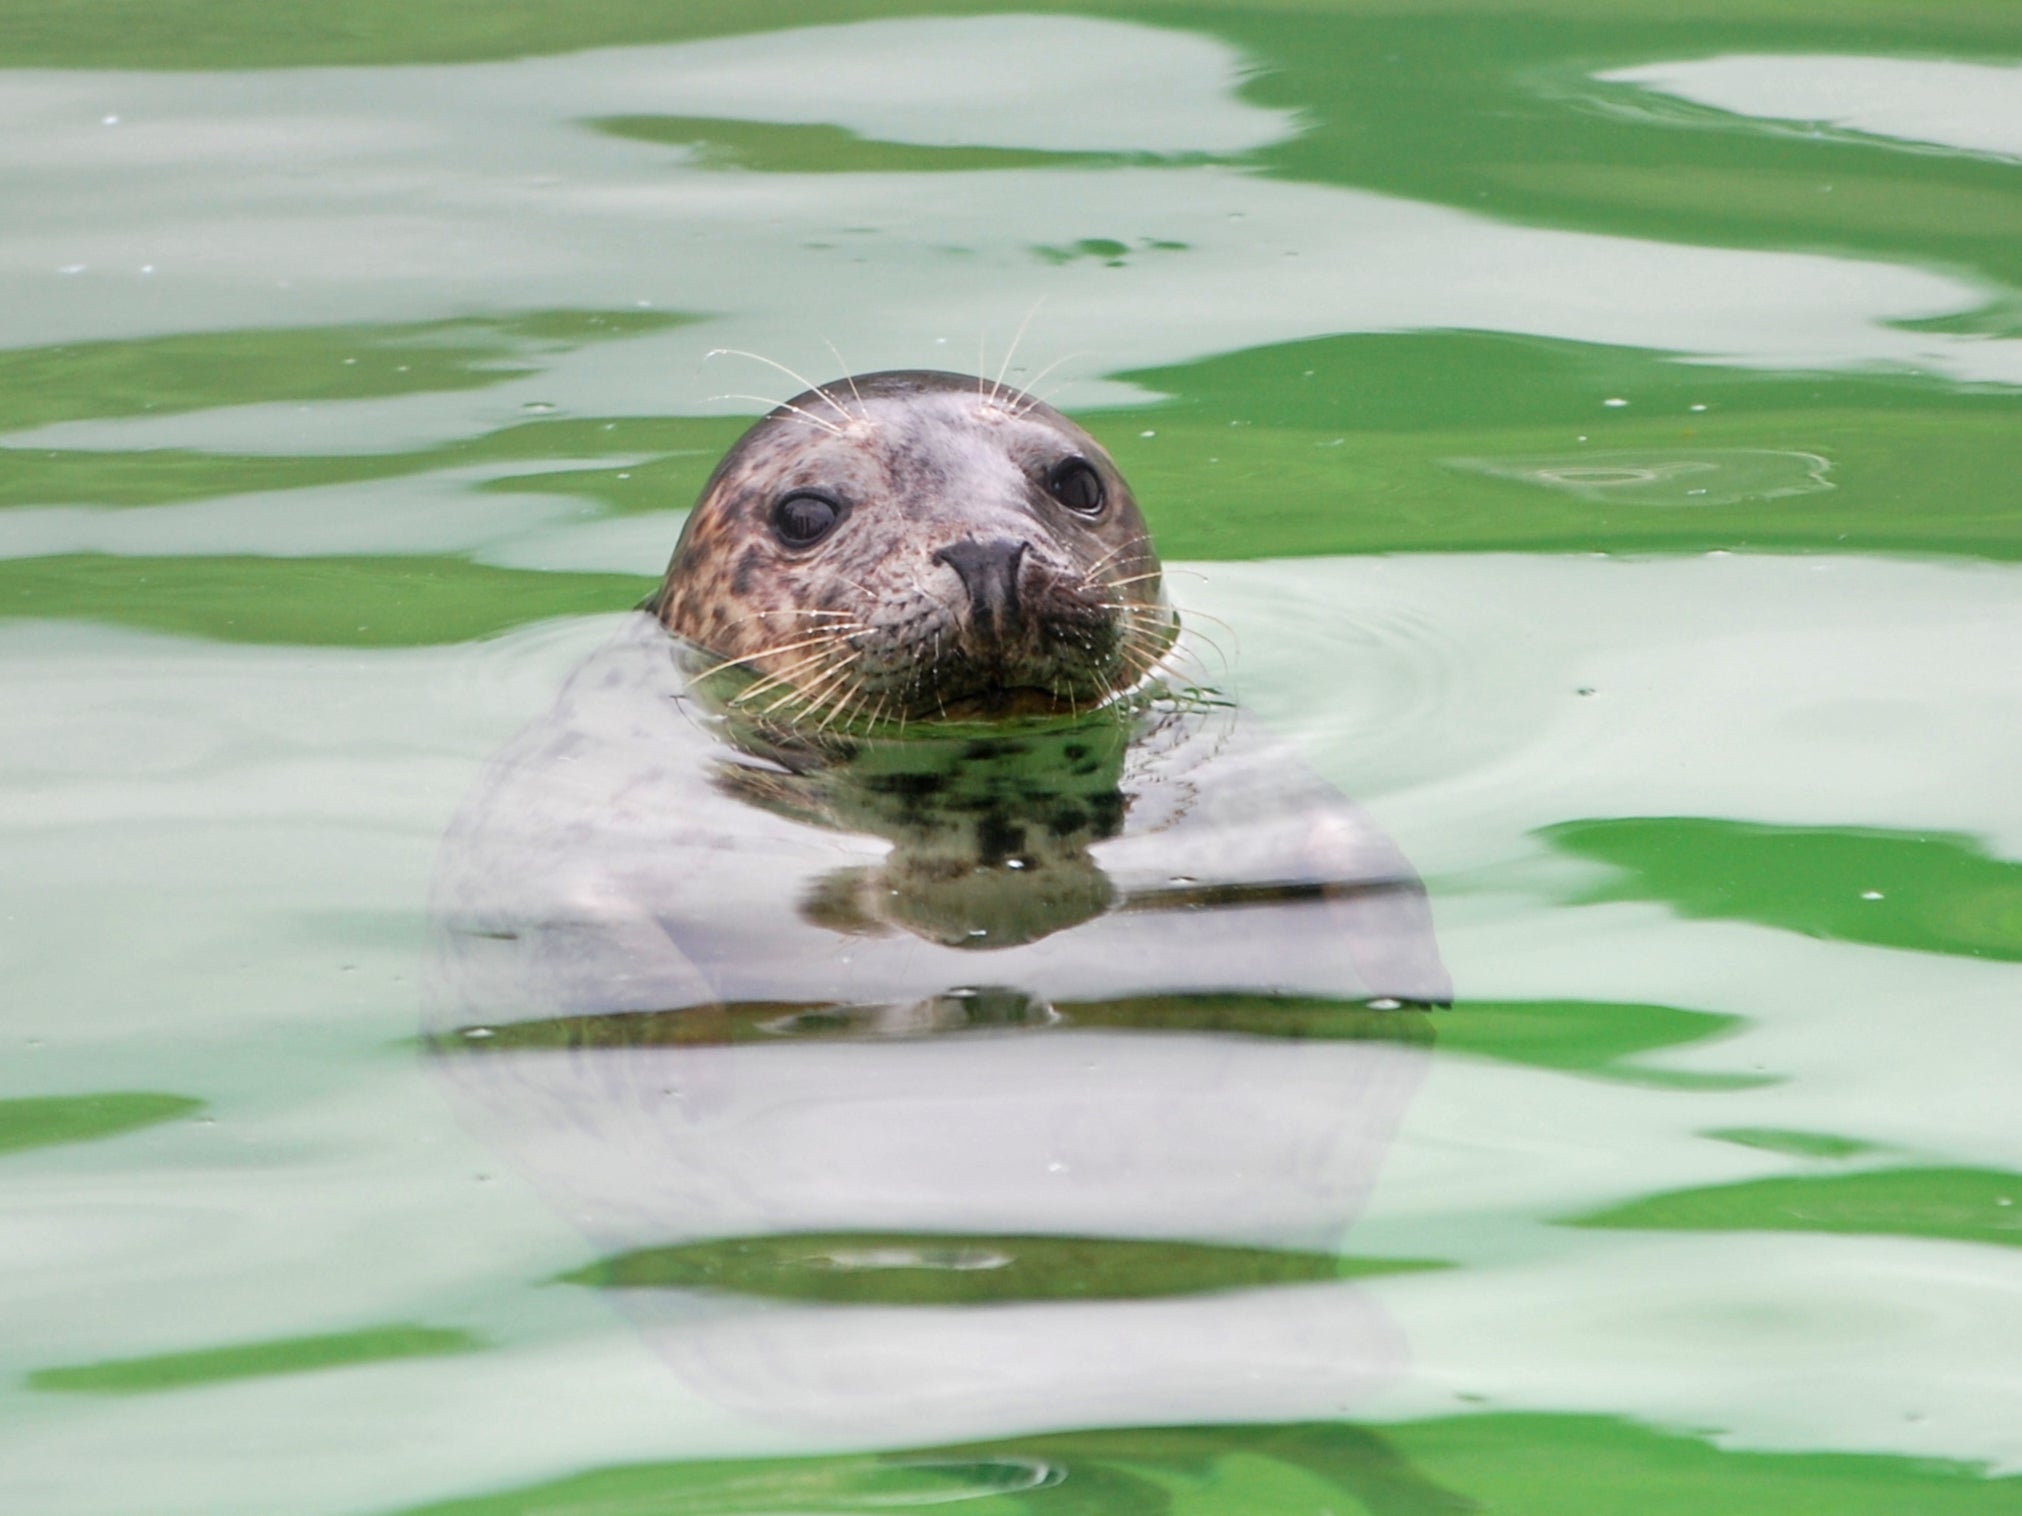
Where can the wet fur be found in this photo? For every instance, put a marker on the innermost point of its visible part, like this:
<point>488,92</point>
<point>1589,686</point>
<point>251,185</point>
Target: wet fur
<point>871,622</point>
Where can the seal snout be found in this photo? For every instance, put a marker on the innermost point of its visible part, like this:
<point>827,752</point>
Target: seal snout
<point>989,572</point>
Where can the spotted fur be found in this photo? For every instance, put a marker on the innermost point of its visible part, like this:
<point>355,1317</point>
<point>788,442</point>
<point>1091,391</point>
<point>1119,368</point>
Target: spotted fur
<point>874,621</point>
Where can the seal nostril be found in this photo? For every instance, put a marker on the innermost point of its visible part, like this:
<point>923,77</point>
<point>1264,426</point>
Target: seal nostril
<point>989,571</point>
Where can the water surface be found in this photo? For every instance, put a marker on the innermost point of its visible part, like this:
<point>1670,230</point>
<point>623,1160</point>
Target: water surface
<point>1588,440</point>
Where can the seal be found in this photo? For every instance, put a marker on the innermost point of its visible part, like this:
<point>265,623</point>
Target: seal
<point>915,544</point>
<point>892,917</point>
<point>923,681</point>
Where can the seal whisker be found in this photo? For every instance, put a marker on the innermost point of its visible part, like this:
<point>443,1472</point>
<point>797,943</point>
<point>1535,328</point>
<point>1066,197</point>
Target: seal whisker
<point>790,670</point>
<point>825,634</point>
<point>876,716</point>
<point>799,378</point>
<point>787,405</point>
<point>828,624</point>
<point>1033,383</point>
<point>844,679</point>
<point>1194,617</point>
<point>854,703</point>
<point>812,694</point>
<point>848,378</point>
<point>997,384</point>
<point>1140,541</point>
<point>783,676</point>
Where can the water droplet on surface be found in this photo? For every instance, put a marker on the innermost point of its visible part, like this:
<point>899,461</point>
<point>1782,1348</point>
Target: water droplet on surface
<point>1614,402</point>
<point>1871,894</point>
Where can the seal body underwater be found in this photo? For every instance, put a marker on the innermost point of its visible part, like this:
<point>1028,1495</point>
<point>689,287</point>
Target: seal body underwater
<point>889,878</point>
<point>917,682</point>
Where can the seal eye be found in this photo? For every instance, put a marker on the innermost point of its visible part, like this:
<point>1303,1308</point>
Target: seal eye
<point>803,518</point>
<point>1076,485</point>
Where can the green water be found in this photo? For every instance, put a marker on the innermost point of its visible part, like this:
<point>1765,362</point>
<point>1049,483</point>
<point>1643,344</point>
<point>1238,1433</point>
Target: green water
<point>1589,431</point>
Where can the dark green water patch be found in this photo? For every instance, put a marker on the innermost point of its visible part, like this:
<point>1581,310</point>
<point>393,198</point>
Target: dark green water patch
<point>991,1012</point>
<point>1596,1038</point>
<point>324,602</point>
<point>1933,892</point>
<point>1510,1464</point>
<point>1285,1016</point>
<point>1458,381</point>
<point>199,370</point>
<point>255,1360</point>
<point>1963,1205</point>
<point>40,1121</point>
<point>679,452</point>
<point>1794,1144</point>
<point>1591,1037</point>
<point>1468,441</point>
<point>1492,107</point>
<point>948,1269</point>
<point>207,34</point>
<point>170,476</point>
<point>783,148</point>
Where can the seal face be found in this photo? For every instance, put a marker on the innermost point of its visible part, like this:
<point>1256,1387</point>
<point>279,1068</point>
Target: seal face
<point>909,544</point>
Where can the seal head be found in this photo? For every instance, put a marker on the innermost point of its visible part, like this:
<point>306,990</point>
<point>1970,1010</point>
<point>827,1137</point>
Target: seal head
<point>911,544</point>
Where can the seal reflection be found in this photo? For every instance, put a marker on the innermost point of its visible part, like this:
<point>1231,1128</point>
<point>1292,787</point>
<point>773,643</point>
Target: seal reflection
<point>942,1086</point>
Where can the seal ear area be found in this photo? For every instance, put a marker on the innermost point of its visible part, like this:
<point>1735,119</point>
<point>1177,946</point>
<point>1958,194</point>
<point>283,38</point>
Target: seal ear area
<point>802,519</point>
